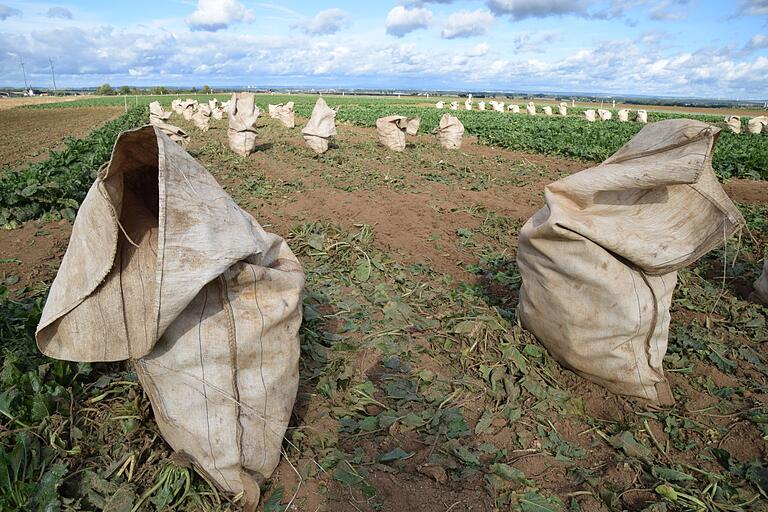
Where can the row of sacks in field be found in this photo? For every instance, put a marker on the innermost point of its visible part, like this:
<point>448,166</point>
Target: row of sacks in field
<point>755,125</point>
<point>590,115</point>
<point>242,112</point>
<point>164,269</point>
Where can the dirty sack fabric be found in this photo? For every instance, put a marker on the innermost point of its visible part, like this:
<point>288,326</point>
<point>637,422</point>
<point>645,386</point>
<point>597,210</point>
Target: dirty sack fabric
<point>624,115</point>
<point>157,114</point>
<point>758,124</point>
<point>604,115</point>
<point>202,117</point>
<point>450,132</point>
<point>761,285</point>
<point>733,123</point>
<point>481,105</point>
<point>531,108</point>
<point>454,105</point>
<point>321,127</point>
<point>498,106</point>
<point>165,269</point>
<point>642,116</point>
<point>547,111</point>
<point>272,110</point>
<point>242,113</point>
<point>589,115</point>
<point>515,109</point>
<point>391,131</point>
<point>177,106</point>
<point>468,105</point>
<point>285,115</point>
<point>562,109</point>
<point>188,109</point>
<point>174,133</point>
<point>599,262</point>
<point>440,104</point>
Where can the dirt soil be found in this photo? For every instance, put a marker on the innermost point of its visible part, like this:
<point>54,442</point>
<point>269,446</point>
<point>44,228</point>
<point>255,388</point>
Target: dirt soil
<point>426,206</point>
<point>22,140</point>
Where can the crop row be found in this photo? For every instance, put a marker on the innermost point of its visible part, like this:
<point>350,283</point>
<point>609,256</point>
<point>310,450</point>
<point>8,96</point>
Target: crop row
<point>56,186</point>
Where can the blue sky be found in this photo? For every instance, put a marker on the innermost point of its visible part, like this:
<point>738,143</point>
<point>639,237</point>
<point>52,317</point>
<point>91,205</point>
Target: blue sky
<point>708,48</point>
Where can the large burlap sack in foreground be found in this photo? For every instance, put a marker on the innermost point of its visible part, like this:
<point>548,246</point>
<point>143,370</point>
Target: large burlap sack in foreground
<point>157,114</point>
<point>450,132</point>
<point>761,285</point>
<point>599,262</point>
<point>242,113</point>
<point>392,129</point>
<point>174,133</point>
<point>321,127</point>
<point>164,268</point>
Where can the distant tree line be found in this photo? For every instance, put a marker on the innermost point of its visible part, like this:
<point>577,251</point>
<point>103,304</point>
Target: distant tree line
<point>108,90</point>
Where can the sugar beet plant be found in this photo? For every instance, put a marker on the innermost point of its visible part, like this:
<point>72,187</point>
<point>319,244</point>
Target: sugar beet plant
<point>56,186</point>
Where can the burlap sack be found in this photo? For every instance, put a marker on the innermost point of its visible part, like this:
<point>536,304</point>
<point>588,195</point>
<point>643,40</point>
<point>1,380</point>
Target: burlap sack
<point>157,114</point>
<point>498,106</point>
<point>272,110</point>
<point>174,133</point>
<point>515,109</point>
<point>242,114</point>
<point>481,105</point>
<point>642,116</point>
<point>761,285</point>
<point>188,109</point>
<point>440,104</point>
<point>177,106</point>
<point>531,108</point>
<point>454,105</point>
<point>758,124</point>
<point>321,127</point>
<point>202,117</point>
<point>285,114</point>
<point>624,115</point>
<point>165,269</point>
<point>547,110</point>
<point>450,132</point>
<point>590,115</point>
<point>605,115</point>
<point>468,105</point>
<point>599,261</point>
<point>392,129</point>
<point>562,109</point>
<point>734,123</point>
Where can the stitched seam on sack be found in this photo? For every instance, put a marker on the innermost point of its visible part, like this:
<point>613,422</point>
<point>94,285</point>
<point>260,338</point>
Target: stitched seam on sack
<point>205,392</point>
<point>637,331</point>
<point>702,134</point>
<point>163,213</point>
<point>261,368</point>
<point>232,344</point>
<point>654,321</point>
<point>122,299</point>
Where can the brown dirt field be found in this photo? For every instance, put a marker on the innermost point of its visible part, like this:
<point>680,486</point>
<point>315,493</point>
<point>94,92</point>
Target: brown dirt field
<point>6,103</point>
<point>22,140</point>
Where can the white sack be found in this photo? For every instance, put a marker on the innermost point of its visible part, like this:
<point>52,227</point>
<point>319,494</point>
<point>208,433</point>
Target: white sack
<point>515,109</point>
<point>468,105</point>
<point>440,104</point>
<point>562,109</point>
<point>547,110</point>
<point>757,124</point>
<point>321,127</point>
<point>450,132</point>
<point>157,114</point>
<point>589,115</point>
<point>605,115</point>
<point>285,114</point>
<point>498,106</point>
<point>454,105</point>
<point>242,114</point>
<point>272,110</point>
<point>165,269</point>
<point>392,129</point>
<point>531,108</point>
<point>599,262</point>
<point>177,106</point>
<point>734,123</point>
<point>624,115</point>
<point>188,108</point>
<point>481,105</point>
<point>202,117</point>
<point>642,116</point>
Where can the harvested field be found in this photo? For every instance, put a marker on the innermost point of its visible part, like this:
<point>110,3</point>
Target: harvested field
<point>28,135</point>
<point>419,389</point>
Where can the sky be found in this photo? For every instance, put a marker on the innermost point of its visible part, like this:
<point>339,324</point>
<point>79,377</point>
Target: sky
<point>685,48</point>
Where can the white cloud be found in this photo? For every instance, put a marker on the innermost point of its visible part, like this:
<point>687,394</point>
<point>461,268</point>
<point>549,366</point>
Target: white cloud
<point>521,9</point>
<point>325,22</point>
<point>534,42</point>
<point>213,15</point>
<point>6,12</point>
<point>670,10</point>
<point>478,50</point>
<point>754,7</point>
<point>402,20</point>
<point>59,12</point>
<point>467,24</point>
<point>757,42</point>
